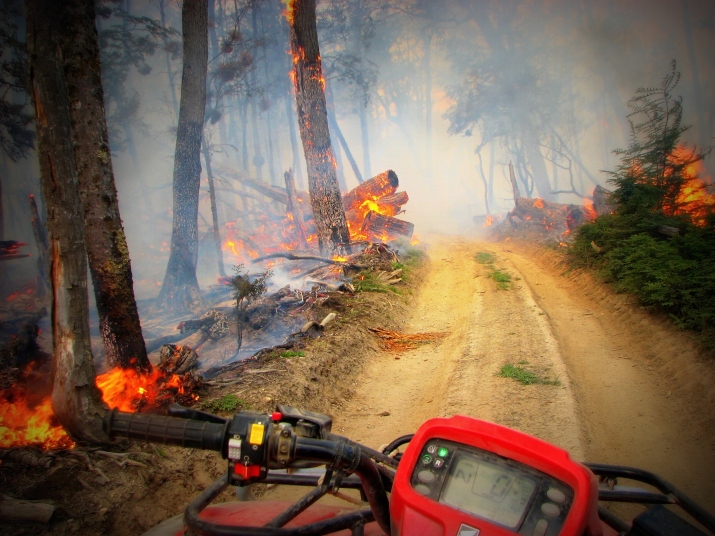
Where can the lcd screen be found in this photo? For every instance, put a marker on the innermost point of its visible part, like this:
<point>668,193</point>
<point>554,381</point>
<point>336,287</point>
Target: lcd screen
<point>492,491</point>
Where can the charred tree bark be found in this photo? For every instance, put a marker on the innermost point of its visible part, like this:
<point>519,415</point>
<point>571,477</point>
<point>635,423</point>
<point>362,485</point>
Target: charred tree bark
<point>76,401</point>
<point>107,248</point>
<point>180,289</point>
<point>328,212</point>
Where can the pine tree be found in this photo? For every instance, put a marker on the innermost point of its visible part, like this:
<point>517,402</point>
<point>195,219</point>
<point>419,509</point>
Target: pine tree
<point>654,167</point>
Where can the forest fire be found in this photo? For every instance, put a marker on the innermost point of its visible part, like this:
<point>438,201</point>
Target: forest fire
<point>27,417</point>
<point>370,210</point>
<point>695,198</point>
<point>130,390</point>
<point>25,422</point>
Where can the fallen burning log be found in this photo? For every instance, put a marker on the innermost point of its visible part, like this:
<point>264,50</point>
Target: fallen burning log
<point>384,184</point>
<point>543,215</point>
<point>380,227</point>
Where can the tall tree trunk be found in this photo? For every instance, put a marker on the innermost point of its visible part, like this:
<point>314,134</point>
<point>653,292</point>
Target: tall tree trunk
<point>258,159</point>
<point>244,135</point>
<point>297,164</point>
<point>214,209</point>
<point>328,211</point>
<point>167,62</point>
<point>76,401</point>
<point>107,248</point>
<point>333,127</point>
<point>180,290</point>
<point>537,164</point>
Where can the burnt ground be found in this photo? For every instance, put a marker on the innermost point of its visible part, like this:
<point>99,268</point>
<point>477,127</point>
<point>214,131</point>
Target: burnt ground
<point>139,485</point>
<point>618,385</point>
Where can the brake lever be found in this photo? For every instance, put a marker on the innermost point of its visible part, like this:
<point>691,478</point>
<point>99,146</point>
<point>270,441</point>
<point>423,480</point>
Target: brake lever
<point>177,410</point>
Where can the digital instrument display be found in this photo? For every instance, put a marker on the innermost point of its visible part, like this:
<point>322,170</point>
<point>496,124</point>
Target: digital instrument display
<point>467,476</point>
<point>498,493</point>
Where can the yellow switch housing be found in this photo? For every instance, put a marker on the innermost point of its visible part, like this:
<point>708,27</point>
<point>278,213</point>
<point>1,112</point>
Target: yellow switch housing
<point>256,437</point>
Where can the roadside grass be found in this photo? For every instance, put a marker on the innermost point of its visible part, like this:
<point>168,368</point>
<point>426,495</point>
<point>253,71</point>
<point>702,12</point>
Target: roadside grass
<point>499,275</point>
<point>525,376</point>
<point>225,404</point>
<point>292,353</point>
<point>367,282</point>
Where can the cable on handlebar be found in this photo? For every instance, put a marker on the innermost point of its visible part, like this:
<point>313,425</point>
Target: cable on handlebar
<point>374,454</point>
<point>366,470</point>
<point>397,443</point>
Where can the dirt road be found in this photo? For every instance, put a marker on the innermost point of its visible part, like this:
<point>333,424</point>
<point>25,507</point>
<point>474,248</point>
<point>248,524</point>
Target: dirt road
<point>619,386</point>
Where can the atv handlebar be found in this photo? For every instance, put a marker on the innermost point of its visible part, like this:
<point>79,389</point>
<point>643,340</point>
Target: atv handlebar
<point>279,445</point>
<point>167,430</point>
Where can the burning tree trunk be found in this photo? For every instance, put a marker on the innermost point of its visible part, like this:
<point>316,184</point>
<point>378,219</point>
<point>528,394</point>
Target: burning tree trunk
<point>76,400</point>
<point>107,249</point>
<point>180,290</point>
<point>325,199</point>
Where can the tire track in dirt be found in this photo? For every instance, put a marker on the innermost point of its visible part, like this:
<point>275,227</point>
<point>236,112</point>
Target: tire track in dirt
<point>645,397</point>
<point>486,328</point>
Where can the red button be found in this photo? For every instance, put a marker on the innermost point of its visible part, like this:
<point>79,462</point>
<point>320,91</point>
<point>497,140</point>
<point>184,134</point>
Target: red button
<point>276,416</point>
<point>247,471</point>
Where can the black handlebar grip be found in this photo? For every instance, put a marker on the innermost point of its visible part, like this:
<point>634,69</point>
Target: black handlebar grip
<point>167,430</point>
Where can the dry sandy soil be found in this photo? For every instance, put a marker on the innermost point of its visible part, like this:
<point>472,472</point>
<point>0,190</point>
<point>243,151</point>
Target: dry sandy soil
<point>621,385</point>
<point>632,390</point>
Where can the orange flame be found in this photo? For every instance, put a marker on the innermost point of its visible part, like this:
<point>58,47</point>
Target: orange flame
<point>694,198</point>
<point>288,13</point>
<point>539,203</point>
<point>488,221</point>
<point>24,423</point>
<point>589,211</point>
<point>126,389</point>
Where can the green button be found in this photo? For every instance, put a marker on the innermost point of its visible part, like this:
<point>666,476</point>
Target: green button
<point>426,459</point>
<point>442,452</point>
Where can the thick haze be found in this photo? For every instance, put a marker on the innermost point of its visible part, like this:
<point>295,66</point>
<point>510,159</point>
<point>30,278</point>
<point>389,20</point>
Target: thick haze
<point>424,84</point>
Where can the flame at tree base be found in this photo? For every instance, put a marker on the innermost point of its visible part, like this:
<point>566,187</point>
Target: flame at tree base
<point>28,420</point>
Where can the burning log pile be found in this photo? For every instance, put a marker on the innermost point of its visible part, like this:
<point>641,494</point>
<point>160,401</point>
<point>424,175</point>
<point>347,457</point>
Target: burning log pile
<point>548,219</point>
<point>371,209</point>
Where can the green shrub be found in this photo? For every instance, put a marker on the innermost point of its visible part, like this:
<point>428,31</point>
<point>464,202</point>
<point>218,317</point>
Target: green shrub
<point>673,274</point>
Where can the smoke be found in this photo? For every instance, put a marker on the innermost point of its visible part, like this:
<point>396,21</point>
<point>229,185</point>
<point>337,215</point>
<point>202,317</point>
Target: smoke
<point>403,76</point>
